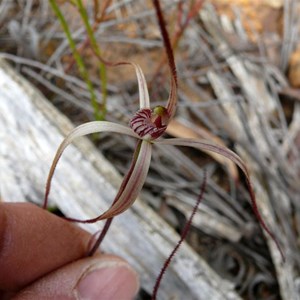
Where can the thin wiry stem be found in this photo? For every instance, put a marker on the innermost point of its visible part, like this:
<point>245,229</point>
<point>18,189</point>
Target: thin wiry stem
<point>100,238</point>
<point>183,236</point>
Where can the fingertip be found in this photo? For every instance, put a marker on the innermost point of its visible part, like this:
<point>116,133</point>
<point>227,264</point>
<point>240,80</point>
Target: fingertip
<point>102,277</point>
<point>2,228</point>
<point>106,281</point>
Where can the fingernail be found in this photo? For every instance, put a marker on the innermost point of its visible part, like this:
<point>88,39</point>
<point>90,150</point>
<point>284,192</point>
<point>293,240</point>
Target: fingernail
<point>107,282</point>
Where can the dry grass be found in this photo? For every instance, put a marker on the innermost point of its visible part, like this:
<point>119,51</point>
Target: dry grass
<point>232,90</point>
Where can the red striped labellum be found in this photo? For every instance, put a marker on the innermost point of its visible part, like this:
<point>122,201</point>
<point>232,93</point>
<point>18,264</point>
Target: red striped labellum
<point>150,124</point>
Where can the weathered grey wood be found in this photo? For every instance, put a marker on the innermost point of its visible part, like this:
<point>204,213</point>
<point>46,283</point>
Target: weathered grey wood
<point>84,185</point>
<point>207,219</point>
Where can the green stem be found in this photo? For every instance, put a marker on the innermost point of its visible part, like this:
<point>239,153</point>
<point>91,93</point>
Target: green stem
<point>97,50</point>
<point>79,61</point>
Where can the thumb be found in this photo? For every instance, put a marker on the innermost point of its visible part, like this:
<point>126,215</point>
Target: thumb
<point>102,277</point>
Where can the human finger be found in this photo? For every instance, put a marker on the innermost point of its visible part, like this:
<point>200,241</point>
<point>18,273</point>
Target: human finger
<point>34,242</point>
<point>102,277</point>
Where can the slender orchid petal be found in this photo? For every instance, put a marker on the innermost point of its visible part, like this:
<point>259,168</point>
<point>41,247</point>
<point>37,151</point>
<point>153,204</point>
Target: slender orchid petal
<point>108,222</point>
<point>131,185</point>
<point>172,101</point>
<point>182,129</point>
<point>84,129</point>
<point>207,146</point>
<point>143,89</point>
<point>134,183</point>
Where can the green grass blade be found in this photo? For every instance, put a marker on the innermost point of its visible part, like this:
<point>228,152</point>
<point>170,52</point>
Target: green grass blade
<point>79,60</point>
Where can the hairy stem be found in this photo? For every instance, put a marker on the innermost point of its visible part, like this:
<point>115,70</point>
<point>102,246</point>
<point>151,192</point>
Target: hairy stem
<point>183,236</point>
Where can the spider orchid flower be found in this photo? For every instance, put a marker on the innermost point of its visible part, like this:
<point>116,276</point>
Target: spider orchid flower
<point>147,126</point>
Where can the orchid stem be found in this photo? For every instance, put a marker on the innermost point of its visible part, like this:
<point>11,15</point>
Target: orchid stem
<point>100,238</point>
<point>183,236</point>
